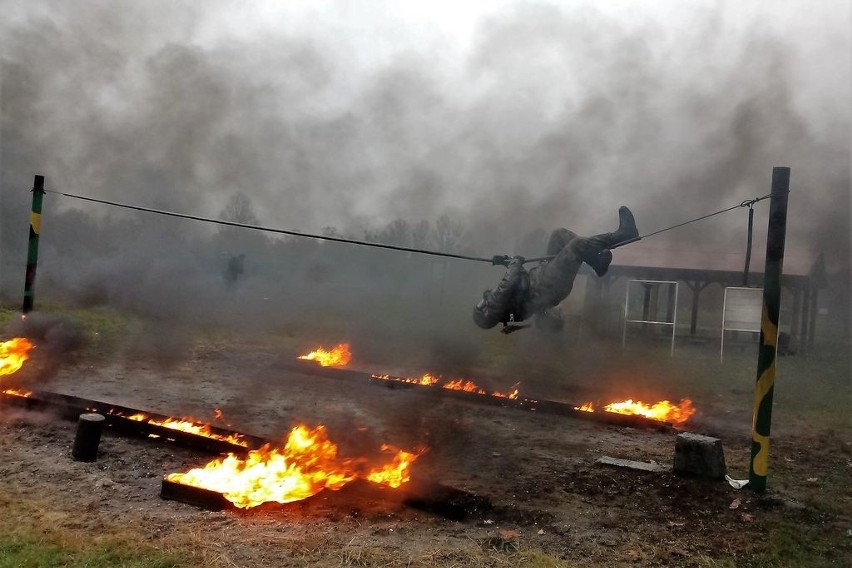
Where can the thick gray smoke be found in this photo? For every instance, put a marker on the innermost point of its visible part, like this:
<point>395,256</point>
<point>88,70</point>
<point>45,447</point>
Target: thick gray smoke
<point>349,121</point>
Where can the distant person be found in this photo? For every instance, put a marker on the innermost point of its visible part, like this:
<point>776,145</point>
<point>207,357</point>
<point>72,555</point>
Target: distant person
<point>523,294</point>
<point>785,346</point>
<point>235,269</point>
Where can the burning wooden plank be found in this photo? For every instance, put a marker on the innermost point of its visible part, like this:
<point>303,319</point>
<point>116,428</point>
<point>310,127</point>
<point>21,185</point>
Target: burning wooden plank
<point>305,464</point>
<point>664,410</point>
<point>196,496</point>
<point>428,496</point>
<point>512,399</point>
<point>134,422</point>
<point>308,472</point>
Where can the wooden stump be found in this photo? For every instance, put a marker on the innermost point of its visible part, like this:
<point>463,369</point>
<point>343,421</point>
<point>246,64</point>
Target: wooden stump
<point>699,456</point>
<point>88,437</point>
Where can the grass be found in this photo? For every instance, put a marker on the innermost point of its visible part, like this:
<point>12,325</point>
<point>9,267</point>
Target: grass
<point>25,542</point>
<point>791,545</point>
<point>514,557</point>
<point>102,329</point>
<point>24,552</point>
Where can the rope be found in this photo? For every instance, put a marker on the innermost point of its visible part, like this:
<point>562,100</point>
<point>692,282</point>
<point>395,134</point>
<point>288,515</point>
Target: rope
<point>494,260</point>
<point>272,230</point>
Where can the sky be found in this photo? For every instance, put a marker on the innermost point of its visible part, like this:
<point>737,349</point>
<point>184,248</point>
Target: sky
<point>507,116</point>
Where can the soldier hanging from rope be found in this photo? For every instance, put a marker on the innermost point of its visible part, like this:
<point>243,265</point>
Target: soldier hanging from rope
<point>523,294</point>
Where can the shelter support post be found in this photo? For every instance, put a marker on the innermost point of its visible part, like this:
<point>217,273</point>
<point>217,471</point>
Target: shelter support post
<point>696,287</point>
<point>796,316</point>
<point>812,312</point>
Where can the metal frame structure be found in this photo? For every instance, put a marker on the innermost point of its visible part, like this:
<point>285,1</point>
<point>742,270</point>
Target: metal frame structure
<point>648,318</point>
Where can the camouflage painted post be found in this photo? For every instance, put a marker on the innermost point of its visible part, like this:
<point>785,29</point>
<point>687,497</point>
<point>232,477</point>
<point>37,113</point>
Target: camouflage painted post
<point>32,251</point>
<point>762,417</point>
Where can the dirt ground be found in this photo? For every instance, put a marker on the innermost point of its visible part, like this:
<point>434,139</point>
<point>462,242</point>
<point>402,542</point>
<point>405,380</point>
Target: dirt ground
<point>551,503</point>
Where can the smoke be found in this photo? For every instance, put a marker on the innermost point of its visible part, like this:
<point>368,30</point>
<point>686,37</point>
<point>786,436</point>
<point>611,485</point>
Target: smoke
<point>507,122</point>
<point>57,338</point>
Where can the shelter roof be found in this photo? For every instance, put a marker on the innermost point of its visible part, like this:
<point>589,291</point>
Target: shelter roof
<point>707,258</point>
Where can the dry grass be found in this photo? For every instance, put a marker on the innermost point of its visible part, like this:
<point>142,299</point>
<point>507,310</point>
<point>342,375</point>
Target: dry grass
<point>33,533</point>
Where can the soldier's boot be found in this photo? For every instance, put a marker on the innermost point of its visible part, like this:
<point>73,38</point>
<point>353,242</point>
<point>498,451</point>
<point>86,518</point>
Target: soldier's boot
<point>595,250</point>
<point>627,230</point>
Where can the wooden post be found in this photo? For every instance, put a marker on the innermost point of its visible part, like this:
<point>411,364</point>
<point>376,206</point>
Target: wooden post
<point>32,250</point>
<point>88,437</point>
<point>813,311</point>
<point>767,354</point>
<point>696,288</point>
<point>795,336</point>
<point>806,318</point>
<point>748,245</point>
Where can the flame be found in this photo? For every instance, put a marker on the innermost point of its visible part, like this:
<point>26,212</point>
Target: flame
<point>427,380</point>
<point>664,410</point>
<point>463,385</point>
<point>512,394</point>
<point>13,353</point>
<point>186,425</point>
<point>430,380</point>
<point>338,356</point>
<point>17,392</point>
<point>306,465</point>
<point>395,473</point>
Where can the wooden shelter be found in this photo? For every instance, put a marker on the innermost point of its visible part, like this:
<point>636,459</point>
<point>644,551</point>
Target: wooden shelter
<point>701,266</point>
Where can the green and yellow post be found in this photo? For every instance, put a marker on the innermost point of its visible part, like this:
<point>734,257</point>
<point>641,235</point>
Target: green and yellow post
<point>32,250</point>
<point>762,418</point>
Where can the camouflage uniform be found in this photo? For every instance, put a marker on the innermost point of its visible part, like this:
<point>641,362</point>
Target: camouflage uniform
<point>523,294</point>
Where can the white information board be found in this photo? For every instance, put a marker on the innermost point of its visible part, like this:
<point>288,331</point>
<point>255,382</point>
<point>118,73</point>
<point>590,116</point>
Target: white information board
<point>741,311</point>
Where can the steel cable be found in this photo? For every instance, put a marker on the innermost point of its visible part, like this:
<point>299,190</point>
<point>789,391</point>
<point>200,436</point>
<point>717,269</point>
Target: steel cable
<point>494,260</point>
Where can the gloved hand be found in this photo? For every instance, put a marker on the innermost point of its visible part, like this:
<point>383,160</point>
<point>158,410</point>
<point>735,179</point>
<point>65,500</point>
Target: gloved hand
<point>500,260</point>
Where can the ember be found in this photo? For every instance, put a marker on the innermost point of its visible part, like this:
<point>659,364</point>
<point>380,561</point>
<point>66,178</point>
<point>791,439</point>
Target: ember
<point>338,356</point>
<point>306,465</point>
<point>664,410</point>
<point>13,353</point>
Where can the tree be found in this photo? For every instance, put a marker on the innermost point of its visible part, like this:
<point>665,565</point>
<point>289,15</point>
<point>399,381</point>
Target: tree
<point>397,232</point>
<point>420,234</point>
<point>239,209</point>
<point>448,234</point>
